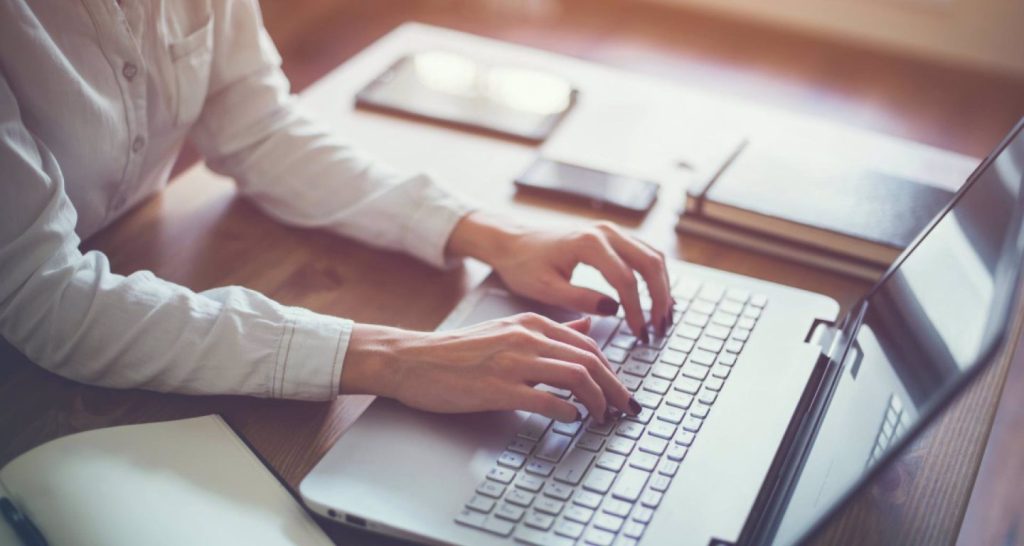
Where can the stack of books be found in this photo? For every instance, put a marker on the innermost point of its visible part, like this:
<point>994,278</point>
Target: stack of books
<point>828,209</point>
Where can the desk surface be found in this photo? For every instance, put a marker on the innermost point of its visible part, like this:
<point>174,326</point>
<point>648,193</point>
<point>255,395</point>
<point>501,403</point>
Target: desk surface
<point>200,234</point>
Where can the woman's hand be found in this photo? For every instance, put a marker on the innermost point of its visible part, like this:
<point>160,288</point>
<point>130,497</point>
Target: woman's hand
<point>538,263</point>
<point>490,366</point>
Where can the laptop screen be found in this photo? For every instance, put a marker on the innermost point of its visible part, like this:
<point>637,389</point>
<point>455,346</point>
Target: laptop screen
<point>926,324</point>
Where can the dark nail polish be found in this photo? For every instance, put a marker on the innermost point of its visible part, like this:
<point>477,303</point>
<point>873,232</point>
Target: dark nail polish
<point>644,337</point>
<point>607,306</point>
<point>663,327</point>
<point>578,418</point>
<point>634,406</point>
<point>610,413</point>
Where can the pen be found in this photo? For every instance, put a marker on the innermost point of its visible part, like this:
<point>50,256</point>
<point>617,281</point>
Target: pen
<point>21,524</point>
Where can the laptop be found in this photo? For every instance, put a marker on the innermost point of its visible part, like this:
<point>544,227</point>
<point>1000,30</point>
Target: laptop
<point>764,408</point>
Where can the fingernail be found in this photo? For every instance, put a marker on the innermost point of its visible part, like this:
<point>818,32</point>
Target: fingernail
<point>634,406</point>
<point>607,306</point>
<point>646,339</point>
<point>662,327</point>
<point>610,414</point>
<point>578,418</point>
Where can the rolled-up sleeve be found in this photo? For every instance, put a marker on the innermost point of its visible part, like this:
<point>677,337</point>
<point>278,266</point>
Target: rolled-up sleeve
<point>296,170</point>
<point>67,311</point>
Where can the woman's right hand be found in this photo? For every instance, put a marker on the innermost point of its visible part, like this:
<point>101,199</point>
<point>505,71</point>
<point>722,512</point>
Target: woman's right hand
<point>493,365</point>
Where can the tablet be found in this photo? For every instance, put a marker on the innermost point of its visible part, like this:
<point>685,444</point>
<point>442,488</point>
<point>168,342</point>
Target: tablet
<point>456,90</point>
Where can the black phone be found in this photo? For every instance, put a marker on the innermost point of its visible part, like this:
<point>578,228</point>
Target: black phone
<point>599,189</point>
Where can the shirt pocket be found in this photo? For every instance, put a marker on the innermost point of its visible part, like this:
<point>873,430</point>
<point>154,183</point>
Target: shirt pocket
<point>191,58</point>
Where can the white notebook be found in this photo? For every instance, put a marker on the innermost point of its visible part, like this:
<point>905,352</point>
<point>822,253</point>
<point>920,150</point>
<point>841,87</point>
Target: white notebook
<point>191,481</point>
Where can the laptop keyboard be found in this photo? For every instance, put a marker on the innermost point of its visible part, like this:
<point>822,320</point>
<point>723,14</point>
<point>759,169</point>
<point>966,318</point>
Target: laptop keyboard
<point>584,483</point>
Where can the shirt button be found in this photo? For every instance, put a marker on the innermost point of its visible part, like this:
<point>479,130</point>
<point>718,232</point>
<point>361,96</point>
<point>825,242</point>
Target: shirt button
<point>138,143</point>
<point>129,71</point>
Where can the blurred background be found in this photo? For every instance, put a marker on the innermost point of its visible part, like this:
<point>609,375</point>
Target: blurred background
<point>949,73</point>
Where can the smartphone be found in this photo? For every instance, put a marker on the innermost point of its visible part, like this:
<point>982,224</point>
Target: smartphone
<point>599,189</point>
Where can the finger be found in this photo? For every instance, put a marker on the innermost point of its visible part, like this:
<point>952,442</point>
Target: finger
<point>560,291</point>
<point>613,391</point>
<point>567,375</point>
<point>537,401</point>
<point>651,267</point>
<point>668,280</point>
<point>603,257</point>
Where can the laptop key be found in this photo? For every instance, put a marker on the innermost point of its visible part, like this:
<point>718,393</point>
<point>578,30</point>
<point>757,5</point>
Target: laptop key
<point>623,341</point>
<point>674,357</point>
<point>633,529</point>
<point>645,354</point>
<point>629,381</point>
<point>691,423</point>
<point>491,489</point>
<point>587,499</point>
<point>687,385</point>
<point>630,484</point>
<point>746,323</point>
<point>590,442</point>
<point>711,344</point>
<point>520,497</point>
<point>471,518</point>
<point>630,430</point>
<point>502,475</point>
<point>568,528</point>
<point>668,468</point>
<point>643,461</point>
<point>717,331</point>
<point>579,514</point>
<point>653,445</point>
<point>698,320</point>
<point>599,480</point>
<point>510,512</point>
<point>700,410</point>
<point>538,520</point>
<point>569,429</point>
<point>734,346</point>
<point>714,383</point>
<point>512,459</point>
<point>615,354</point>
<point>534,426</point>
<point>575,465</point>
<point>616,507</point>
<point>672,412</point>
<point>499,526</point>
<point>721,372</point>
<point>676,452</point>
<point>548,506</point>
<point>685,437</point>
<point>620,445</point>
<point>530,483</point>
<point>665,371</point>
<point>662,429</point>
<point>610,461</point>
<point>660,482</point>
<point>727,359</point>
<point>689,331</point>
<point>540,468</point>
<point>608,522</point>
<point>656,385</point>
<point>695,371</point>
<point>634,367</point>
<point>702,357</point>
<point>553,446</point>
<point>521,445</point>
<point>645,415</point>
<point>480,503</point>
<point>731,307</point>
<point>703,306</point>
<point>597,537</point>
<point>651,498</point>
<point>642,514</point>
<point>558,491</point>
<point>759,300</point>
<point>711,292</point>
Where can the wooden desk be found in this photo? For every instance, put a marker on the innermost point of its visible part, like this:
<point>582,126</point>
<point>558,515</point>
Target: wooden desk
<point>200,234</point>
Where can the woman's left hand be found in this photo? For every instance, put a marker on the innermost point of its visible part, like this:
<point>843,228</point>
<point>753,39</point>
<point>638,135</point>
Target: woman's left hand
<point>538,263</point>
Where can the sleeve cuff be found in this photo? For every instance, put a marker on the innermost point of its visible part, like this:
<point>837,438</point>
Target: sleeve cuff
<point>310,356</point>
<point>431,224</point>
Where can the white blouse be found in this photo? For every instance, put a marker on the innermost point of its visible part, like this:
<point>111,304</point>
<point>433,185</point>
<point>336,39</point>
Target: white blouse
<point>96,99</point>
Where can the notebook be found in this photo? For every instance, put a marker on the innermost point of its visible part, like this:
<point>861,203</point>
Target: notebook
<point>191,481</point>
<point>805,199</point>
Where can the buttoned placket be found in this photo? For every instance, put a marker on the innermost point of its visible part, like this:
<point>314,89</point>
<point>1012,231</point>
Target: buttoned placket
<point>125,56</point>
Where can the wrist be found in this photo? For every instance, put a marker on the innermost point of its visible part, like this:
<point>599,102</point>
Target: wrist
<point>372,365</point>
<point>482,236</point>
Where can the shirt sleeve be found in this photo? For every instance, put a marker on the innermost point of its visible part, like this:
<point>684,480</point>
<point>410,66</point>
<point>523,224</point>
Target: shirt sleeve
<point>294,169</point>
<point>67,312</point>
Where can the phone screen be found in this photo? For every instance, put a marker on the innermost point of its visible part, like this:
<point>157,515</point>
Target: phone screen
<point>598,188</point>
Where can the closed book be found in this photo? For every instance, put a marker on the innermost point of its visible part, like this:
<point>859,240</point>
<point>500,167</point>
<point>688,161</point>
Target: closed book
<point>692,224</point>
<point>828,201</point>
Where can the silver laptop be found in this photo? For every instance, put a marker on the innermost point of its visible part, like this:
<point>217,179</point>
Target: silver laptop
<point>763,408</point>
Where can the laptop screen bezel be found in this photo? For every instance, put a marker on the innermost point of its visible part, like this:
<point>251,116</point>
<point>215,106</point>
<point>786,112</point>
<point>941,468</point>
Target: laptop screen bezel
<point>951,392</point>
